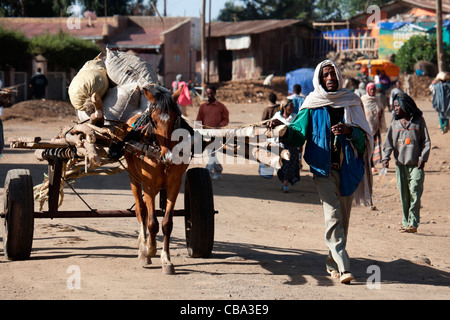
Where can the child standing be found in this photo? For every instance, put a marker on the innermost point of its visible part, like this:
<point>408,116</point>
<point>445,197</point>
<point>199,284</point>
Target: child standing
<point>408,138</point>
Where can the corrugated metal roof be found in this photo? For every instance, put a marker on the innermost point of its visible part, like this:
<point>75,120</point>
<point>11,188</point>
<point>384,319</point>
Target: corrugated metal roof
<point>430,4</point>
<point>140,31</point>
<point>224,29</point>
<point>138,37</point>
<point>32,27</point>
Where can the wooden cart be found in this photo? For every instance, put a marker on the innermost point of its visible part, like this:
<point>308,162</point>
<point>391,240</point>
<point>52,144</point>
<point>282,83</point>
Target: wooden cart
<point>19,214</point>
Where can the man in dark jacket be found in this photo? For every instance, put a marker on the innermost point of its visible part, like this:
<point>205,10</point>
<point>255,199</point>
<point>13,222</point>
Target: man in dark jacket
<point>38,82</point>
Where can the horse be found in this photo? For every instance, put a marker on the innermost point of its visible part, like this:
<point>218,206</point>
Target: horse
<point>149,173</point>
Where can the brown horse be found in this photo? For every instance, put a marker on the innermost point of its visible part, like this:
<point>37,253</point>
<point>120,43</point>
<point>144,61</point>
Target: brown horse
<point>149,173</point>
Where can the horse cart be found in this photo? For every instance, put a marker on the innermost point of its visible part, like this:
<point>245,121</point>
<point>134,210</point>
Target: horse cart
<point>61,153</point>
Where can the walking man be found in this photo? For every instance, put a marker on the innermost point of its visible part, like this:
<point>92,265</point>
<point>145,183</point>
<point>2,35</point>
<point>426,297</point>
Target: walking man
<point>338,147</point>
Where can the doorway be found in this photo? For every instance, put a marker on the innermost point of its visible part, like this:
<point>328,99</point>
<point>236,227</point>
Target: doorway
<point>225,65</point>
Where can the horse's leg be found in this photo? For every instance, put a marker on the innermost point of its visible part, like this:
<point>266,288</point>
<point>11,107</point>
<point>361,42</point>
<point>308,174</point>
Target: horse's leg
<point>141,215</point>
<point>152,221</point>
<point>173,188</point>
<point>141,209</point>
<point>167,227</point>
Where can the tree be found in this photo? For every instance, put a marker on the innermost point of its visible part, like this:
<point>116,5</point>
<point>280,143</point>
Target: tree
<point>141,8</point>
<point>63,50</point>
<point>307,10</point>
<point>15,48</point>
<point>419,48</point>
<point>58,8</point>
<point>266,9</point>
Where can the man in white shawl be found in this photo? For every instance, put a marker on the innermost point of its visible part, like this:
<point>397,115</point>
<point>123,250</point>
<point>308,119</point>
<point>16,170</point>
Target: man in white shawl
<point>338,149</point>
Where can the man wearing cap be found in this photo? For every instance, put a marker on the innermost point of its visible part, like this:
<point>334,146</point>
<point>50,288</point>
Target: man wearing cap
<point>338,147</point>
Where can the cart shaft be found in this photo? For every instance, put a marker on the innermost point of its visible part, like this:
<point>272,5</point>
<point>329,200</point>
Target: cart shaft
<point>99,214</point>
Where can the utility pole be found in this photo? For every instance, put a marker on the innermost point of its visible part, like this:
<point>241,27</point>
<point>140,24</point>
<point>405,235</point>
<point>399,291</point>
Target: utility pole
<point>203,65</point>
<point>209,40</point>
<point>165,8</point>
<point>440,46</point>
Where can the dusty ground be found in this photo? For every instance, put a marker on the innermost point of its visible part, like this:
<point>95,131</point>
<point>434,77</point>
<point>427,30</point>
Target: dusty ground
<point>268,245</point>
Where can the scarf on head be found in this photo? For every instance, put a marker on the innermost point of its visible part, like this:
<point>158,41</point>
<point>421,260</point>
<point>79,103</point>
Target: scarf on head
<point>354,116</point>
<point>408,105</point>
<point>370,86</point>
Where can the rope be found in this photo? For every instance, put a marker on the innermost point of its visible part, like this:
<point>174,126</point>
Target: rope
<point>254,124</point>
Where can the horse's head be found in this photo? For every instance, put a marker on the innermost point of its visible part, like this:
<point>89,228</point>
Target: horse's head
<point>165,116</point>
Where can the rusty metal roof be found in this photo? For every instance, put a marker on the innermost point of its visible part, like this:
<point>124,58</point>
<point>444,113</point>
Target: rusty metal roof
<point>429,4</point>
<point>37,26</point>
<point>140,31</point>
<point>224,29</point>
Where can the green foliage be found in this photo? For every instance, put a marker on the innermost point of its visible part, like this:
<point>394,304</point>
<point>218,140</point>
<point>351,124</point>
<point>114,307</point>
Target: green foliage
<point>14,48</point>
<point>307,10</point>
<point>62,50</point>
<point>267,9</point>
<point>418,48</point>
<point>58,8</point>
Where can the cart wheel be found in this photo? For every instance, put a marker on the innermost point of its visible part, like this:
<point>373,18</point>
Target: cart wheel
<point>199,218</point>
<point>18,221</point>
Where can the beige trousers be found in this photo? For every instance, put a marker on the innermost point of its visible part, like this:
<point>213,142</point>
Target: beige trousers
<point>336,211</point>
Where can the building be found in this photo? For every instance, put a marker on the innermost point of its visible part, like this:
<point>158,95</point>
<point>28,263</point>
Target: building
<point>253,49</point>
<point>399,20</point>
<point>140,35</point>
<point>381,32</point>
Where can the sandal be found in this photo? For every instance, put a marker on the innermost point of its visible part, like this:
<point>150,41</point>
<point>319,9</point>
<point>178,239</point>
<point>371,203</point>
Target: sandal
<point>333,273</point>
<point>346,277</point>
<point>411,229</point>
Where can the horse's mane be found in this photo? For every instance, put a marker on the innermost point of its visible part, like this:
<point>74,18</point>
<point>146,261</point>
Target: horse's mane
<point>164,101</point>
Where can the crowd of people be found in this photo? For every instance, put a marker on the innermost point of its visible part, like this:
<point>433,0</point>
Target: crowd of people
<point>338,132</point>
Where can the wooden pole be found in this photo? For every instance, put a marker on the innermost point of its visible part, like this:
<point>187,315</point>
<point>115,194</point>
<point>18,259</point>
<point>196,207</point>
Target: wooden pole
<point>440,47</point>
<point>209,43</point>
<point>203,66</point>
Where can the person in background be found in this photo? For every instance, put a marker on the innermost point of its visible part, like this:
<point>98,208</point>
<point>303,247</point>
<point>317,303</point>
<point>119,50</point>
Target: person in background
<point>396,89</point>
<point>272,108</point>
<point>381,94</point>
<point>361,89</point>
<point>38,83</point>
<point>297,97</point>
<point>374,111</point>
<point>409,141</point>
<point>184,99</point>
<point>213,114</point>
<point>2,140</point>
<point>290,170</point>
<point>440,87</point>
<point>338,146</point>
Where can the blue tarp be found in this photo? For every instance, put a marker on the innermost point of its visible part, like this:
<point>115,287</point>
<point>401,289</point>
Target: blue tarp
<point>303,77</point>
<point>395,25</point>
<point>391,25</point>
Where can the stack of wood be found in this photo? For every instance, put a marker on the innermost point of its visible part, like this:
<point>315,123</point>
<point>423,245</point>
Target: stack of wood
<point>7,97</point>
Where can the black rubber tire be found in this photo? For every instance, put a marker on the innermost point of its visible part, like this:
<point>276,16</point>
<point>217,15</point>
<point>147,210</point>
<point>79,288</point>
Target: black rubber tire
<point>18,222</point>
<point>199,218</point>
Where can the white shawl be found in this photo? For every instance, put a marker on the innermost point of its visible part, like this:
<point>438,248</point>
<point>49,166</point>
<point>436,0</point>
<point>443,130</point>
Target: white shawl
<point>353,115</point>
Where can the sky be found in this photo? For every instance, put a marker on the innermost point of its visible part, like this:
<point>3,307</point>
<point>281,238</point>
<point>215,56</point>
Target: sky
<point>190,8</point>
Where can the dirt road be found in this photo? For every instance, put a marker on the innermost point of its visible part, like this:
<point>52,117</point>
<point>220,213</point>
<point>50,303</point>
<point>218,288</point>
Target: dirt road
<point>268,244</point>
